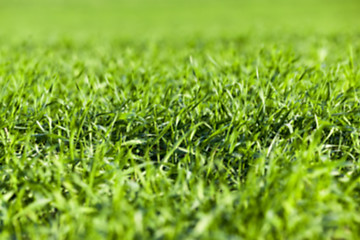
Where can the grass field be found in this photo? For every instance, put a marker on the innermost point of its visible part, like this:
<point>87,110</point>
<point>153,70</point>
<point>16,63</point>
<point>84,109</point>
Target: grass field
<point>179,120</point>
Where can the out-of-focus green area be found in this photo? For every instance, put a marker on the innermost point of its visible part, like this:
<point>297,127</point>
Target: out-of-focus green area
<point>142,18</point>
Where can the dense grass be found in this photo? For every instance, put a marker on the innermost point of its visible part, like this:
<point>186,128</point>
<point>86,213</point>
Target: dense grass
<point>205,136</point>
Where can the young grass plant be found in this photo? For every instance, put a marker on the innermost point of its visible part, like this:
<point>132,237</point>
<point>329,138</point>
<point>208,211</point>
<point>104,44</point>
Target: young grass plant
<point>206,139</point>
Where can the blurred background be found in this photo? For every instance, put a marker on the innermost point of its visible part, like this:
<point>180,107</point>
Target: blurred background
<point>164,18</point>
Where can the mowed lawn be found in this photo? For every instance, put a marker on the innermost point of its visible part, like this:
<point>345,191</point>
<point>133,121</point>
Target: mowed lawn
<point>179,120</point>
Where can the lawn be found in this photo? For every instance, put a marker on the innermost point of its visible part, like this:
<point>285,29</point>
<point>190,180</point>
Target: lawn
<point>179,120</point>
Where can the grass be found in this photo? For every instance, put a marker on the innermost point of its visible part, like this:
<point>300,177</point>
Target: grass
<point>216,134</point>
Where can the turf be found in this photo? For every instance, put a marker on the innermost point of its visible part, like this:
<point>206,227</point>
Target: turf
<point>220,131</point>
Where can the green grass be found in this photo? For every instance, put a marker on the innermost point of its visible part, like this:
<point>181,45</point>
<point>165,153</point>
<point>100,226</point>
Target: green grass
<point>223,130</point>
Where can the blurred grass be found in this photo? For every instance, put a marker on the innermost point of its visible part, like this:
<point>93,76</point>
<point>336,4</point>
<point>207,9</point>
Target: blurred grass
<point>175,18</point>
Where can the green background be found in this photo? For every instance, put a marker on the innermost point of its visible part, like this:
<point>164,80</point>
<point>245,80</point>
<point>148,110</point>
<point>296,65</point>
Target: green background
<point>157,18</point>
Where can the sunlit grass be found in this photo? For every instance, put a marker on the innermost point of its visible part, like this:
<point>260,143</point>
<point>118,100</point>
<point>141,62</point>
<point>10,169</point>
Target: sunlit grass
<point>203,136</point>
